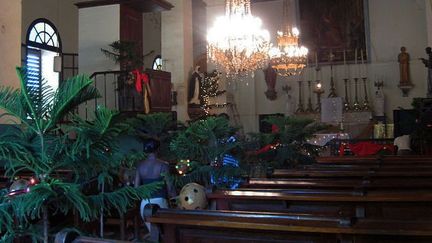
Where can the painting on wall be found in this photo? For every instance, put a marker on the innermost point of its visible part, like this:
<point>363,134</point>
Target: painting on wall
<point>332,27</point>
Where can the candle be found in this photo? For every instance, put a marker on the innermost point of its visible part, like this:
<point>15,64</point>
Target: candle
<point>331,63</point>
<point>345,65</point>
<point>355,56</point>
<point>344,56</point>
<point>316,65</point>
<point>362,71</point>
<point>365,66</point>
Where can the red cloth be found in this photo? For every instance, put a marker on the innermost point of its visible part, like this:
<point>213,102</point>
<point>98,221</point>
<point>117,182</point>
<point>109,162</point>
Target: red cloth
<point>140,78</point>
<point>368,148</point>
<point>274,128</point>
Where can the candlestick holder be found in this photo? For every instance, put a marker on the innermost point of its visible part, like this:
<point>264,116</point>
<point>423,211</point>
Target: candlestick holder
<point>318,91</point>
<point>300,108</point>
<point>332,90</point>
<point>379,84</point>
<point>309,104</point>
<point>356,105</point>
<point>347,106</point>
<point>366,106</point>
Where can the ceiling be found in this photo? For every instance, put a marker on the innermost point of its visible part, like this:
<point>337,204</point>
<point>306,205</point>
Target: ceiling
<point>141,5</point>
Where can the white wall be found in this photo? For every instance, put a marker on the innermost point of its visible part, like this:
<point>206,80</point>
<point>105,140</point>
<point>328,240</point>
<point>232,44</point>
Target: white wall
<point>151,37</point>
<point>98,27</point>
<point>393,23</point>
<point>63,14</point>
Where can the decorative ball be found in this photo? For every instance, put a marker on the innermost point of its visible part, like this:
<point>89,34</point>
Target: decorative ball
<point>192,196</point>
<point>19,186</point>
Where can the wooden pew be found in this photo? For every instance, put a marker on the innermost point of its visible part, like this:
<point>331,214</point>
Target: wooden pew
<point>337,173</point>
<point>397,204</point>
<point>407,159</point>
<point>232,226</point>
<point>329,183</point>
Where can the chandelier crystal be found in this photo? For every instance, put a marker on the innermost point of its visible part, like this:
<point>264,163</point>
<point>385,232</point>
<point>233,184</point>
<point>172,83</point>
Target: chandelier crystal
<point>236,42</point>
<point>288,58</point>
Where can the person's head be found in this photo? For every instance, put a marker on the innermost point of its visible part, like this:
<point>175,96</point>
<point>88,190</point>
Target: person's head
<point>403,49</point>
<point>428,50</point>
<point>151,145</point>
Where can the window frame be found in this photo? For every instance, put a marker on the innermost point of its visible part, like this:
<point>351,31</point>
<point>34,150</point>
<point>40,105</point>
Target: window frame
<point>44,45</point>
<point>157,58</point>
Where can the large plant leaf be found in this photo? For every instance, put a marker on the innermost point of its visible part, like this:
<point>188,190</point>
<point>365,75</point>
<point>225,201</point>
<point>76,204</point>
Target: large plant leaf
<point>69,95</point>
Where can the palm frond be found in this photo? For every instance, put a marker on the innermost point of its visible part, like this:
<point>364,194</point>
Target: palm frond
<point>69,95</point>
<point>11,103</point>
<point>125,197</point>
<point>28,97</point>
<point>153,125</point>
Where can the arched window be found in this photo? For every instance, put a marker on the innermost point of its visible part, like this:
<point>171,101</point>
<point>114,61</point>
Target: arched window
<point>43,47</point>
<point>157,63</point>
<point>43,34</point>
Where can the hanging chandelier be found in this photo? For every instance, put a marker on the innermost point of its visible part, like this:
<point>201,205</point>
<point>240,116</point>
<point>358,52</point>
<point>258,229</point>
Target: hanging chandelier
<point>237,43</point>
<point>288,58</point>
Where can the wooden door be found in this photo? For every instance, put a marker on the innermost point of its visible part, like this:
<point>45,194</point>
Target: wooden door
<point>160,83</point>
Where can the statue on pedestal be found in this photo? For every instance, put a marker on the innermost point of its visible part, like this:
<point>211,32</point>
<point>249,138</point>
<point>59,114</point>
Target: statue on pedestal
<point>404,83</point>
<point>194,86</point>
<point>270,77</point>
<point>428,64</point>
<point>403,59</point>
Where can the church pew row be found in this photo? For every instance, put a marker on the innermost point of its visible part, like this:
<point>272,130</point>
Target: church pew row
<point>387,166</point>
<point>337,173</point>
<point>232,226</point>
<point>395,204</point>
<point>406,159</point>
<point>353,183</point>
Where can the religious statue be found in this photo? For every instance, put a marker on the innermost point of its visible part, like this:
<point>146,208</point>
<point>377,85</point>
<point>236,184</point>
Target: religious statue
<point>379,100</point>
<point>270,76</point>
<point>428,64</point>
<point>403,59</point>
<point>194,86</point>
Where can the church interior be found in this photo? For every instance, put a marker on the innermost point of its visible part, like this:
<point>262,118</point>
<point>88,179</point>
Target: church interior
<point>187,121</point>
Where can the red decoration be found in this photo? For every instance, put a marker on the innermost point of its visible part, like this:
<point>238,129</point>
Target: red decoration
<point>140,78</point>
<point>366,148</point>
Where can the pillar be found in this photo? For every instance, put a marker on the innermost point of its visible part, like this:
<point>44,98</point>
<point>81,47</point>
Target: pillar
<point>177,50</point>
<point>10,44</point>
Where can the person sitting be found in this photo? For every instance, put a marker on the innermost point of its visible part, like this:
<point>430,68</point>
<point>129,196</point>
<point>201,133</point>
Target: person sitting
<point>152,170</point>
<point>403,144</point>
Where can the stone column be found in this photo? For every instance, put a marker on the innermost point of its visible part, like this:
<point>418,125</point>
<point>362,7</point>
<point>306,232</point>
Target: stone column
<point>177,50</point>
<point>10,44</point>
<point>10,41</point>
<point>429,20</point>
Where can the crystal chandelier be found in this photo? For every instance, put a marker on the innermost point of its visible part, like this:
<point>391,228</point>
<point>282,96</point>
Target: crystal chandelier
<point>236,42</point>
<point>288,58</point>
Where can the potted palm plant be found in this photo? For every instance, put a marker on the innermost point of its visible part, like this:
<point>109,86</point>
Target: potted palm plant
<point>60,158</point>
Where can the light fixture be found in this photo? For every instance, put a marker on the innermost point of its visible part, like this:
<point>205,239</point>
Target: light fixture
<point>236,42</point>
<point>288,58</point>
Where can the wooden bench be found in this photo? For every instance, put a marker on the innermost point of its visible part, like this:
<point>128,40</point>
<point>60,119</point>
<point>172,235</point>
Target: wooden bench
<point>231,226</point>
<point>352,183</point>
<point>375,159</point>
<point>337,173</point>
<point>396,204</point>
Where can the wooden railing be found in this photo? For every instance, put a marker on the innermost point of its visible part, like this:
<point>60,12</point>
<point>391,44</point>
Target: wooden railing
<point>107,84</point>
<point>118,93</point>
